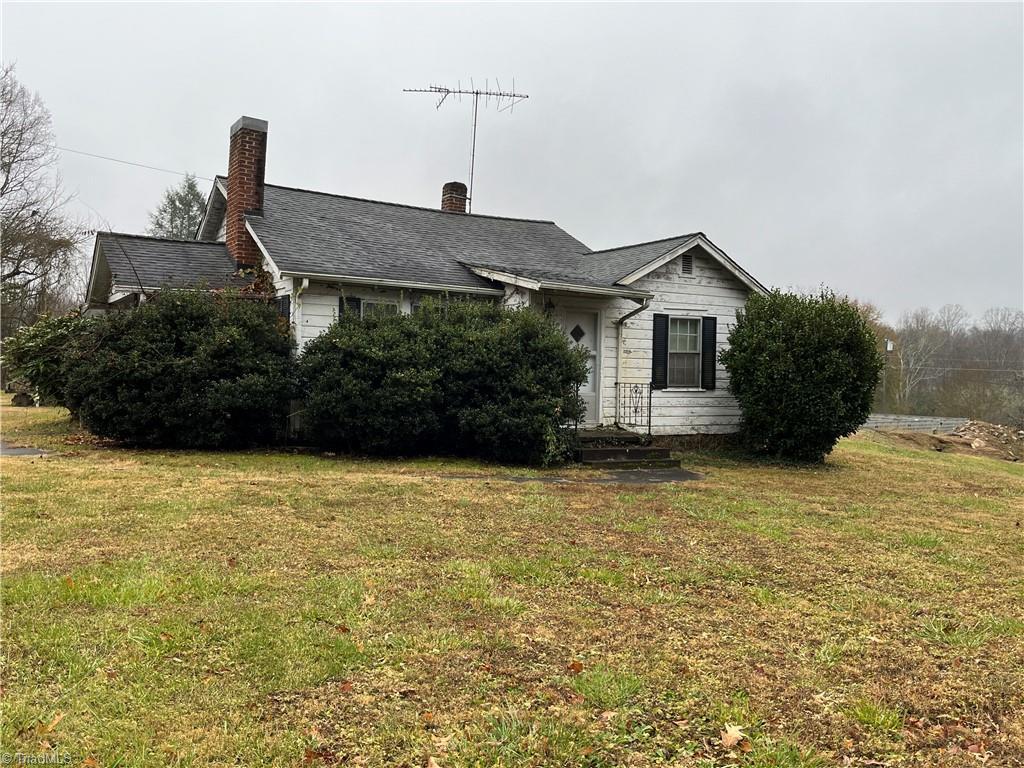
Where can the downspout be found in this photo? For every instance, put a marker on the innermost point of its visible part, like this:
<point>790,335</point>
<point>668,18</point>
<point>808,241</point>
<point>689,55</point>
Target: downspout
<point>618,349</point>
<point>298,310</point>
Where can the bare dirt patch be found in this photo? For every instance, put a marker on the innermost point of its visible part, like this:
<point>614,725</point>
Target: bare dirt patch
<point>974,438</point>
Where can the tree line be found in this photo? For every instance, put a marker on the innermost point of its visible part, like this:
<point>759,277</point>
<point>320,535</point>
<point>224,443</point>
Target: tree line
<point>946,363</point>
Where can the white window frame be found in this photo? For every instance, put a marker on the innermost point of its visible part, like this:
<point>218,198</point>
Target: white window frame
<point>699,353</point>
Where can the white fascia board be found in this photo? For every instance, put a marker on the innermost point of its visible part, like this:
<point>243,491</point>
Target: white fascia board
<point>386,283</point>
<point>266,254</point>
<point>552,285</point>
<point>92,269</point>
<point>719,255</point>
<point>595,290</point>
<point>217,187</point>
<point>505,277</point>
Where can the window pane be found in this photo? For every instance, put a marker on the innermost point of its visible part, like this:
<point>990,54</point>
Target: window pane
<point>683,369</point>
<point>683,334</point>
<point>378,309</point>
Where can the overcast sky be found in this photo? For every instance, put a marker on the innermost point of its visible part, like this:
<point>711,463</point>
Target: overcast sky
<point>876,149</point>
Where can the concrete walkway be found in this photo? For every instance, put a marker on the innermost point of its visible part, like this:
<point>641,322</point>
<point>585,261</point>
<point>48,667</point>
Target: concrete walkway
<point>10,450</point>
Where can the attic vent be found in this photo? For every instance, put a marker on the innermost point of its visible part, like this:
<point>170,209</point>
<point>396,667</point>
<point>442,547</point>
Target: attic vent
<point>686,264</point>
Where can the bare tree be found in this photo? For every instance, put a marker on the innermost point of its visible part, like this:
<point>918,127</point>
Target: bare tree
<point>40,258</point>
<point>920,337</point>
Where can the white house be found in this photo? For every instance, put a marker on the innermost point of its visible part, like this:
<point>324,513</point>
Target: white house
<point>653,316</point>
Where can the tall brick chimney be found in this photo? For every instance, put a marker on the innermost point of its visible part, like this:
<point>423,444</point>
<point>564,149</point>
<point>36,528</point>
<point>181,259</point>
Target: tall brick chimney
<point>247,160</point>
<point>453,197</point>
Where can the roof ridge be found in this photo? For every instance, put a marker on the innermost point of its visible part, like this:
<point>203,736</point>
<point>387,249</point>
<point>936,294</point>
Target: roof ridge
<point>647,242</point>
<point>160,239</point>
<point>414,207</point>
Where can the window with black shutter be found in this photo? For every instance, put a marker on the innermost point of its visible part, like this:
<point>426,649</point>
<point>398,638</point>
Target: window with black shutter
<point>283,305</point>
<point>659,354</point>
<point>708,351</point>
<point>684,353</point>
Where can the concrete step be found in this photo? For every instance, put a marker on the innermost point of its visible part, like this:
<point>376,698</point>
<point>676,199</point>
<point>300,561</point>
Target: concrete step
<point>612,464</point>
<point>630,452</point>
<point>609,437</point>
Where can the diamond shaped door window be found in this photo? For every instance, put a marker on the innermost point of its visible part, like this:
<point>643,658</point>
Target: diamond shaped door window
<point>577,333</point>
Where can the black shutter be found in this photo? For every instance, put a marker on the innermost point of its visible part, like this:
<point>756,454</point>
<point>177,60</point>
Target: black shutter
<point>708,351</point>
<point>659,353</point>
<point>284,306</point>
<point>350,304</point>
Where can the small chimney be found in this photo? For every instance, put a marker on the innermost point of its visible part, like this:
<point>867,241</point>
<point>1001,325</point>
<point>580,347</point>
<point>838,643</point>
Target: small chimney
<point>453,197</point>
<point>247,160</point>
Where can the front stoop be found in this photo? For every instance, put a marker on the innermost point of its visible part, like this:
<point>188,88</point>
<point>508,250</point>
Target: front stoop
<point>626,457</point>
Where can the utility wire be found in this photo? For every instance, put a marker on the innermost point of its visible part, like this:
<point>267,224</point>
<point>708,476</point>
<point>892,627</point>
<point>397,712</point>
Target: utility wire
<point>129,162</point>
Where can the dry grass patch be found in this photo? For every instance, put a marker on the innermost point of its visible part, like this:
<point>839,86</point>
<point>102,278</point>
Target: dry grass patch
<point>183,608</point>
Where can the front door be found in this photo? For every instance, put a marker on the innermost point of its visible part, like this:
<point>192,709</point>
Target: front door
<point>581,327</point>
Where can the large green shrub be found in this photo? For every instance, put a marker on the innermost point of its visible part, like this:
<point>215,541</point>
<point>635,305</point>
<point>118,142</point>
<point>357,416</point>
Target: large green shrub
<point>185,369</point>
<point>804,370</point>
<point>37,354</point>
<point>464,378</point>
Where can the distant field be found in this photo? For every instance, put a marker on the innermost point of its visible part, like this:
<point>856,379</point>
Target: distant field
<point>183,608</point>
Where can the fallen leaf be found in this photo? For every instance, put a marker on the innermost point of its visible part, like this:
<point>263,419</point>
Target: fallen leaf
<point>731,736</point>
<point>341,629</point>
<point>746,746</point>
<point>576,667</point>
<point>165,636</point>
<point>432,763</point>
<point>232,562</point>
<point>369,599</point>
<point>346,686</point>
<point>70,582</point>
<point>90,762</point>
<point>53,723</point>
<point>976,749</point>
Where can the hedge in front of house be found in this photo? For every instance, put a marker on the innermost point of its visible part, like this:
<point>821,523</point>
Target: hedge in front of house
<point>37,354</point>
<point>464,378</point>
<point>804,369</point>
<point>189,369</point>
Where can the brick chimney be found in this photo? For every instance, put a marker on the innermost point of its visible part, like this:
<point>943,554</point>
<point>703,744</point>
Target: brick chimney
<point>247,160</point>
<point>453,197</point>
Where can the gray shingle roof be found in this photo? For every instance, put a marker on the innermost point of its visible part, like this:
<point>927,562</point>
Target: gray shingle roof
<point>613,264</point>
<point>160,263</point>
<point>317,233</point>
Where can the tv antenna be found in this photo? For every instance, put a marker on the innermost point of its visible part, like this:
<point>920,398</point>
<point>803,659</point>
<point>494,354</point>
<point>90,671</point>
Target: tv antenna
<point>504,100</point>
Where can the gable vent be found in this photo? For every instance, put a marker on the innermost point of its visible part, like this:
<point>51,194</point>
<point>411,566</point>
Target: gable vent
<point>686,263</point>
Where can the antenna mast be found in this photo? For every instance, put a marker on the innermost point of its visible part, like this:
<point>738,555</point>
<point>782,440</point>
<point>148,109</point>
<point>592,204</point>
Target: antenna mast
<point>504,100</point>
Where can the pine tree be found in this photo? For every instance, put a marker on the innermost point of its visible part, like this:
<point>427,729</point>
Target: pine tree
<point>180,211</point>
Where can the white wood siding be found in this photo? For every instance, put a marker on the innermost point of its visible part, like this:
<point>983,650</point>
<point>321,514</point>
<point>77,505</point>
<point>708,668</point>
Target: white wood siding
<point>711,291</point>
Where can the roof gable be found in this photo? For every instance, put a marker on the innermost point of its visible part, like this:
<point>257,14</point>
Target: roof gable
<point>136,262</point>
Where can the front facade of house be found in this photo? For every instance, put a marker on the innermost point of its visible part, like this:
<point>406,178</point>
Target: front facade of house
<point>652,316</point>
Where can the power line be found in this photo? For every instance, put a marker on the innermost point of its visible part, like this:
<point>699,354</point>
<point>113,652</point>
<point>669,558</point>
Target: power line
<point>129,162</point>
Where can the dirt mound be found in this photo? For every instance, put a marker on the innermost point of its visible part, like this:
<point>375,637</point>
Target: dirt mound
<point>1006,440</point>
<point>978,438</point>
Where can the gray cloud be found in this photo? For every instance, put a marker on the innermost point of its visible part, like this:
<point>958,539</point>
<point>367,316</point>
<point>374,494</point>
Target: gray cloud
<point>876,149</point>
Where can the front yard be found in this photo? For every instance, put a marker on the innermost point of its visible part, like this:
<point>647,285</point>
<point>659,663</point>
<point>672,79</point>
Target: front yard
<point>181,608</point>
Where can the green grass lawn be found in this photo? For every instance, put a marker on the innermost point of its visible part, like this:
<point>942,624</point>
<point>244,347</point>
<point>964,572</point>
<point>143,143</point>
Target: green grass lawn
<point>184,608</point>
